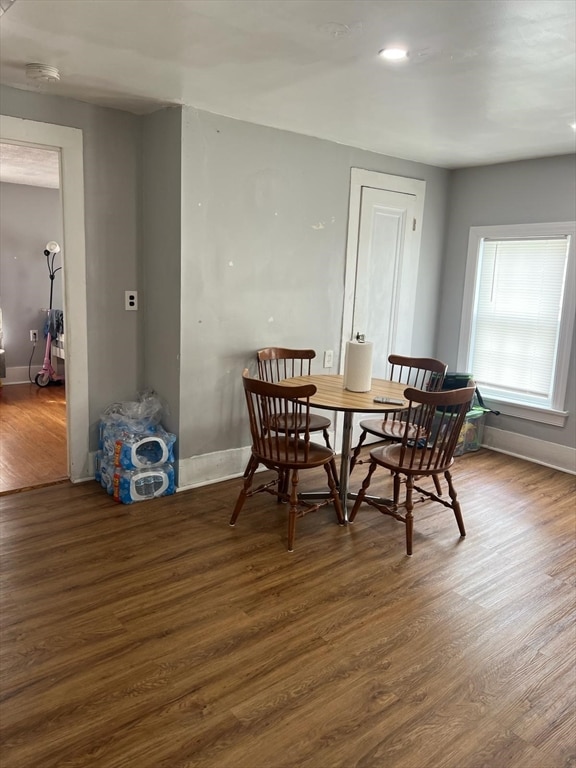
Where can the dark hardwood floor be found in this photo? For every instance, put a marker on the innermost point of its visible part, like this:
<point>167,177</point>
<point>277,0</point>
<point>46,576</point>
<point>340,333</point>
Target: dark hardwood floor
<point>33,450</point>
<point>154,635</point>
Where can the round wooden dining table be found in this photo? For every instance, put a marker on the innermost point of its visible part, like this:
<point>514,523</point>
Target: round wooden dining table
<point>332,396</point>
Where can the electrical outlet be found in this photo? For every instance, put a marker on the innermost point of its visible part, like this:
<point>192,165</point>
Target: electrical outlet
<point>328,358</point>
<point>130,299</point>
<point>34,336</point>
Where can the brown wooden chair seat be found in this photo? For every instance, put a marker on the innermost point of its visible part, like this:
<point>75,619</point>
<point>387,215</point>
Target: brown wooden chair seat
<point>277,363</point>
<point>284,423</point>
<point>389,429</point>
<point>440,416</point>
<point>286,451</point>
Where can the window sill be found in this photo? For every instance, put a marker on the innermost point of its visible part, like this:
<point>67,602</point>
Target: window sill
<point>529,412</point>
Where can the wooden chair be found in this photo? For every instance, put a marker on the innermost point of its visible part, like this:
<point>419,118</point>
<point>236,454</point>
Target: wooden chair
<point>439,416</point>
<point>277,363</point>
<point>285,451</point>
<point>417,372</point>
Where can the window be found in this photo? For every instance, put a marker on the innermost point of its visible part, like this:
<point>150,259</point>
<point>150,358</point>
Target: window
<point>518,316</point>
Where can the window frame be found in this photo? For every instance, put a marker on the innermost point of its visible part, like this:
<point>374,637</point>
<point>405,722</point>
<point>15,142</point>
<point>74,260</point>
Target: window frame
<point>555,413</point>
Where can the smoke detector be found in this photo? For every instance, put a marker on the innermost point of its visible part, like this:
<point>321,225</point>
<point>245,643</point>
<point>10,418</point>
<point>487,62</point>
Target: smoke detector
<point>43,73</point>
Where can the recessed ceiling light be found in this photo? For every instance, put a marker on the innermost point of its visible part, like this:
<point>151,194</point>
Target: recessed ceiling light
<point>393,54</point>
<point>573,126</point>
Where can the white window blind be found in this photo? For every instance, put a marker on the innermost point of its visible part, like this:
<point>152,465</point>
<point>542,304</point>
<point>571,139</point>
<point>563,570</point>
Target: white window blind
<point>517,314</point>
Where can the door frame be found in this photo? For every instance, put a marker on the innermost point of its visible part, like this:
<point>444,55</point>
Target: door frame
<point>360,178</point>
<point>68,141</point>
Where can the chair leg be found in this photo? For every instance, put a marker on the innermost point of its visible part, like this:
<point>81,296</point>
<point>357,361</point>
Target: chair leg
<point>248,467</point>
<point>334,471</point>
<point>455,504</point>
<point>251,468</point>
<point>326,438</point>
<point>362,492</point>
<point>356,452</point>
<point>437,485</point>
<point>396,485</point>
<point>292,512</point>
<point>334,493</point>
<point>283,482</point>
<point>409,516</point>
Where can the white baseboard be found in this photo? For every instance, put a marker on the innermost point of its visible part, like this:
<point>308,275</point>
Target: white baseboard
<point>210,468</point>
<point>552,455</point>
<point>18,374</point>
<point>225,465</point>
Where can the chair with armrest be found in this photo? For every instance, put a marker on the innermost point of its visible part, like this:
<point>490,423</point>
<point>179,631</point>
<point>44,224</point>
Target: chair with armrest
<point>277,363</point>
<point>437,418</point>
<point>417,372</point>
<point>284,451</point>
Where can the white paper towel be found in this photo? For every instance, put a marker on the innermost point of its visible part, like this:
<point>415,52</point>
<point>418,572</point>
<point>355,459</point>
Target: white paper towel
<point>358,366</point>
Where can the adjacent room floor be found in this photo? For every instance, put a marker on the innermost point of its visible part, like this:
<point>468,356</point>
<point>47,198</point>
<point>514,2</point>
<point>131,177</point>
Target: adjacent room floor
<point>33,448</point>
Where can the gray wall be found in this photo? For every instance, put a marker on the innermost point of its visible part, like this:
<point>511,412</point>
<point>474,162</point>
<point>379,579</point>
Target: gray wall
<point>29,218</point>
<point>542,190</point>
<point>112,213</point>
<point>161,258</point>
<point>257,270</point>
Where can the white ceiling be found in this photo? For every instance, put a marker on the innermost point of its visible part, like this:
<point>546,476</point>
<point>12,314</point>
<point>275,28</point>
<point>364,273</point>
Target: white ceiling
<point>486,80</point>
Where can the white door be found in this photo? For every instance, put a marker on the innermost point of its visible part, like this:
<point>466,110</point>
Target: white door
<point>382,283</point>
<point>384,229</point>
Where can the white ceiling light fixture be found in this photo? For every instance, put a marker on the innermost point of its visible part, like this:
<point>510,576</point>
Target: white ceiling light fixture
<point>394,53</point>
<point>43,73</point>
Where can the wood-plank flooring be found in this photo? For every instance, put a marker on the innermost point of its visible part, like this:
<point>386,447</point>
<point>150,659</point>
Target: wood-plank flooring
<point>33,449</point>
<point>154,635</point>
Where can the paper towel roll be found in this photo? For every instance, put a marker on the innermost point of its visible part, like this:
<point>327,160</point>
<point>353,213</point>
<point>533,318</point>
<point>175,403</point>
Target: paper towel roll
<point>358,366</point>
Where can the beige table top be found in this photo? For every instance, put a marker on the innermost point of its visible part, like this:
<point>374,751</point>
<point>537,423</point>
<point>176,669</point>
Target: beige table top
<point>330,394</point>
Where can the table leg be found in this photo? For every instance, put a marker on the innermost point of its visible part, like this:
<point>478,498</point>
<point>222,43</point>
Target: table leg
<point>345,460</point>
<point>346,450</point>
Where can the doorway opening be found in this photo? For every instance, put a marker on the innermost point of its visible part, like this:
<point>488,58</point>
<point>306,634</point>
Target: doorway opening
<point>68,143</point>
<point>33,451</point>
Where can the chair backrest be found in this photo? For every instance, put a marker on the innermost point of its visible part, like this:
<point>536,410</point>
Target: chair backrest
<point>272,404</point>
<point>418,372</point>
<point>438,418</point>
<point>277,363</point>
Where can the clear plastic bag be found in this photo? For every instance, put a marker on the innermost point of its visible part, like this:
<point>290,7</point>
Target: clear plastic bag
<point>135,416</point>
<point>131,438</point>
